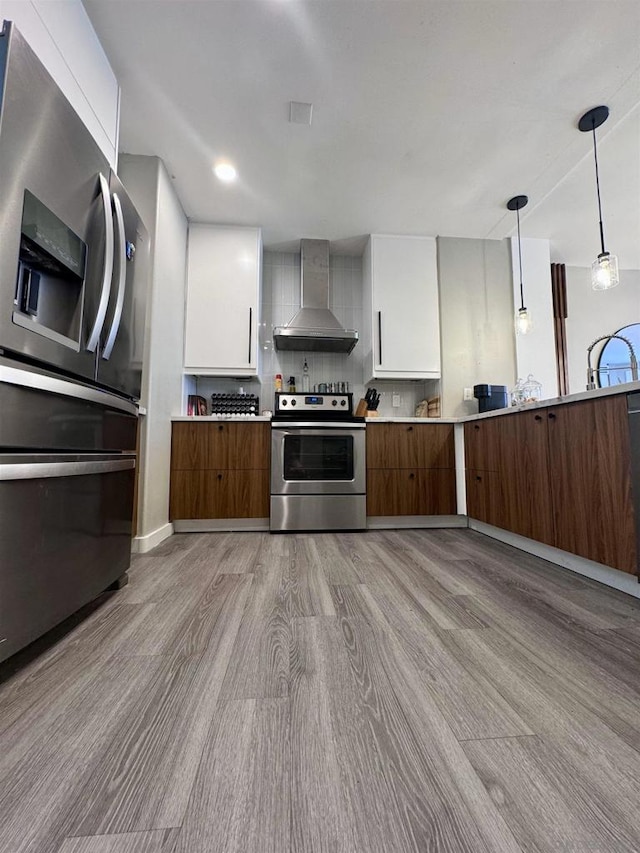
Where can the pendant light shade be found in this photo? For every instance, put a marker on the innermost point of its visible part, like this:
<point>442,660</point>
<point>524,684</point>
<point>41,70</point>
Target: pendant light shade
<point>523,314</point>
<point>604,270</point>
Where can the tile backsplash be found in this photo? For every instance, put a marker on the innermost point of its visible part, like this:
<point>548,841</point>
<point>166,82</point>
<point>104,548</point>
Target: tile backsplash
<point>280,301</point>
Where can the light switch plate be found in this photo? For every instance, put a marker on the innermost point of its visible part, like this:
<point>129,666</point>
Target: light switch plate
<point>467,394</point>
<point>396,401</point>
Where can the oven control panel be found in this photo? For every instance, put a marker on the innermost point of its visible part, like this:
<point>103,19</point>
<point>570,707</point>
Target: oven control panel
<point>313,403</point>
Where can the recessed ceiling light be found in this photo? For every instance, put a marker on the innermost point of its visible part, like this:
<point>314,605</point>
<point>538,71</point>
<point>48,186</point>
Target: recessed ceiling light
<point>225,172</point>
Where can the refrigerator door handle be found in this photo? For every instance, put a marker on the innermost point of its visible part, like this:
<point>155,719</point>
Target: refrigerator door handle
<point>107,272</point>
<point>43,382</point>
<point>122,278</point>
<point>30,468</point>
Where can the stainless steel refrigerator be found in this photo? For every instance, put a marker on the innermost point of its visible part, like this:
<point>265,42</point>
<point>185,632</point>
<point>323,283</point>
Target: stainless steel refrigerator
<point>73,285</point>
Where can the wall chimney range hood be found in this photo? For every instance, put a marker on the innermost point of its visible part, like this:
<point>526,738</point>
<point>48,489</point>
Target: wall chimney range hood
<point>314,328</point>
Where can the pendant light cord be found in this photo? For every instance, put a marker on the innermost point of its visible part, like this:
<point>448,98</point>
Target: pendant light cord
<point>520,260</point>
<point>595,156</point>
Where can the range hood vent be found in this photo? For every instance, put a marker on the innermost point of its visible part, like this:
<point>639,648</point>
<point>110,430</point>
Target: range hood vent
<point>314,328</point>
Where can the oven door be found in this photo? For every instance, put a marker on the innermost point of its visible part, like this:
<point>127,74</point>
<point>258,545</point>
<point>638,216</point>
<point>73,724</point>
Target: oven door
<point>318,459</point>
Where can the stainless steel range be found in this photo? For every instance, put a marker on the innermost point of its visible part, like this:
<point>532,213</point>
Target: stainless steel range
<point>318,464</point>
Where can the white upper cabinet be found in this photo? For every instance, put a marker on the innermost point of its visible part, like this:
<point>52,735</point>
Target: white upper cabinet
<point>223,300</point>
<point>401,334</point>
<point>63,38</point>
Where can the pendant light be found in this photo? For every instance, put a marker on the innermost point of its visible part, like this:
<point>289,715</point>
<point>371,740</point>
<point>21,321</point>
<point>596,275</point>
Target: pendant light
<point>523,315</point>
<point>604,270</point>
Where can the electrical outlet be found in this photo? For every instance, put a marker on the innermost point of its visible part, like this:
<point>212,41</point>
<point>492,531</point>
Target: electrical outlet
<point>467,394</point>
<point>396,401</point>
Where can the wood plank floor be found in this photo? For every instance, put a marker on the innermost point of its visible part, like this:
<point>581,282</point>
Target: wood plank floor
<point>381,692</point>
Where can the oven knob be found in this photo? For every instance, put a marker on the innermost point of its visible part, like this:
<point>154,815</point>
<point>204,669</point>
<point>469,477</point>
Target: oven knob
<point>283,402</point>
<point>293,402</point>
<point>343,402</point>
<point>334,402</point>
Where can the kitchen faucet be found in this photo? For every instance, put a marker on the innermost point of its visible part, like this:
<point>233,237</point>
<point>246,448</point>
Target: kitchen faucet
<point>591,373</point>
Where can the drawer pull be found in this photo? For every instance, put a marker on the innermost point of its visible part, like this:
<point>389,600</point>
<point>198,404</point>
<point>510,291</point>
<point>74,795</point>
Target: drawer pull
<point>552,416</point>
<point>538,417</point>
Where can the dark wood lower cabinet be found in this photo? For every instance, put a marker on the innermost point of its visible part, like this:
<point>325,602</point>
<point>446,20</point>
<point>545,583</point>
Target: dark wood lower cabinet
<point>410,469</point>
<point>484,497</point>
<point>219,470</point>
<point>220,494</point>
<point>589,457</point>
<point>559,475</point>
<point>425,491</point>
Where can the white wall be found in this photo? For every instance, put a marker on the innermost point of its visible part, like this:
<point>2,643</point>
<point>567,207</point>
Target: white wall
<point>535,351</point>
<point>152,192</point>
<point>476,319</point>
<point>592,313</point>
<point>61,34</point>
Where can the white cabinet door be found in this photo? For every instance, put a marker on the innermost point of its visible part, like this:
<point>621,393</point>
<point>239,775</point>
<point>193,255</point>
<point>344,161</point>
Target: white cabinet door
<point>223,299</point>
<point>401,306</point>
<point>63,38</point>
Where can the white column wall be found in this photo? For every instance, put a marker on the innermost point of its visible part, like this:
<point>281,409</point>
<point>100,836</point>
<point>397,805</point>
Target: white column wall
<point>535,351</point>
<point>476,319</point>
<point>152,192</point>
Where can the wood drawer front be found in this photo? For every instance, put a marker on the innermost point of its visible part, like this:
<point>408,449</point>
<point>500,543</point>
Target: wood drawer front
<point>189,443</point>
<point>239,446</point>
<point>397,446</point>
<point>482,444</point>
<point>411,492</point>
<point>219,494</point>
<point>228,446</point>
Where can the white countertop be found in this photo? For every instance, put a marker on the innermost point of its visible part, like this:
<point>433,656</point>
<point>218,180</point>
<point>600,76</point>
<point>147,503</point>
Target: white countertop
<point>627,388</point>
<point>382,419</point>
<point>239,419</point>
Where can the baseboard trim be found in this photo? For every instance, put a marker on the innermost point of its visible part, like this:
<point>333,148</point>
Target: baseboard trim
<point>580,565</point>
<point>389,522</point>
<point>219,525</point>
<point>143,544</point>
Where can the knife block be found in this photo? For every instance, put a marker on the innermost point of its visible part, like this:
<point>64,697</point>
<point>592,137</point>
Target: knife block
<point>361,409</point>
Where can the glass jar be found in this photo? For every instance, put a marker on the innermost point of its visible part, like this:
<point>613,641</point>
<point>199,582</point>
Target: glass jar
<point>527,390</point>
<point>531,390</point>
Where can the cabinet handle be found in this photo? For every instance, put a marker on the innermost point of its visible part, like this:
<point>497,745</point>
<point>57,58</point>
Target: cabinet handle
<point>380,338</point>
<point>250,325</point>
<point>478,477</point>
<point>410,429</point>
<point>538,417</point>
<point>476,426</point>
<point>219,476</point>
<point>411,475</point>
<point>220,427</point>
<point>552,416</point>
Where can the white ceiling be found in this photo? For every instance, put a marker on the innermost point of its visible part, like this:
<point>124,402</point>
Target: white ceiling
<point>427,116</point>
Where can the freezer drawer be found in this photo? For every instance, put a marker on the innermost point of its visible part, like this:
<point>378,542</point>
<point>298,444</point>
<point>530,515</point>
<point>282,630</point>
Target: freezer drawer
<point>41,411</point>
<point>65,536</point>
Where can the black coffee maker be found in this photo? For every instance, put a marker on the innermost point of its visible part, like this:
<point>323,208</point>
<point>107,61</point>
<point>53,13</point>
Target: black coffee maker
<point>490,397</point>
